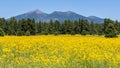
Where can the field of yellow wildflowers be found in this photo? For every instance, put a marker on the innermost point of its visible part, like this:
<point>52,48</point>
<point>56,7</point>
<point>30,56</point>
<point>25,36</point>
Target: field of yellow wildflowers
<point>63,51</point>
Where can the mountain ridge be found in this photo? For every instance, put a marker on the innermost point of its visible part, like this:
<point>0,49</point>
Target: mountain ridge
<point>39,15</point>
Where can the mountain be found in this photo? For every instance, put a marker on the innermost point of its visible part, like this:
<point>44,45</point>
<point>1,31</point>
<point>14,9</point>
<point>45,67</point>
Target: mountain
<point>97,19</point>
<point>57,15</point>
<point>61,16</point>
<point>36,14</point>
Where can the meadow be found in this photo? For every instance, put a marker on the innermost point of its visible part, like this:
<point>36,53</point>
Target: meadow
<point>62,51</point>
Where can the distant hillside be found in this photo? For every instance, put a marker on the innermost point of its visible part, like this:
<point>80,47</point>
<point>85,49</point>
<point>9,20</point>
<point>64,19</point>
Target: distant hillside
<point>57,15</point>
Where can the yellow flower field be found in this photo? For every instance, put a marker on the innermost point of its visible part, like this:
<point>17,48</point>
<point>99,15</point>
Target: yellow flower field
<point>62,51</point>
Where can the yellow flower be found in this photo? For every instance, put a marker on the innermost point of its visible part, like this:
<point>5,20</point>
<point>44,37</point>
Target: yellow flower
<point>62,49</point>
<point>6,50</point>
<point>3,56</point>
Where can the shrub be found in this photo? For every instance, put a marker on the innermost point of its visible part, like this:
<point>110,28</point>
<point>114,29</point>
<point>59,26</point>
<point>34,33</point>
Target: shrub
<point>27,33</point>
<point>56,33</point>
<point>84,32</point>
<point>72,32</point>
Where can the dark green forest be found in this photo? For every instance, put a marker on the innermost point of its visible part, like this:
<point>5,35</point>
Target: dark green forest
<point>31,27</point>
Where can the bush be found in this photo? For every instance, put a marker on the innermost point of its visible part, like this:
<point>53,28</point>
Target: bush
<point>56,33</point>
<point>72,32</point>
<point>27,33</point>
<point>84,32</point>
<point>1,32</point>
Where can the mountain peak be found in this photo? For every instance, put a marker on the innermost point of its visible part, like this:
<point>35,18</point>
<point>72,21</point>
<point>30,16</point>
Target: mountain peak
<point>63,12</point>
<point>57,12</point>
<point>37,11</point>
<point>69,12</point>
<point>93,17</point>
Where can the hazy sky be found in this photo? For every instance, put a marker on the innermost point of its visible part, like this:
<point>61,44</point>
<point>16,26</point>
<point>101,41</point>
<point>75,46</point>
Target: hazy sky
<point>100,8</point>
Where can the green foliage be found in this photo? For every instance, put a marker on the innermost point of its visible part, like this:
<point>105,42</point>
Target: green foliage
<point>27,33</point>
<point>19,32</point>
<point>72,32</point>
<point>107,21</point>
<point>12,26</point>
<point>110,31</point>
<point>84,26</point>
<point>81,26</point>
<point>117,26</point>
<point>84,32</point>
<point>92,31</point>
<point>56,33</point>
<point>44,32</point>
<point>1,32</point>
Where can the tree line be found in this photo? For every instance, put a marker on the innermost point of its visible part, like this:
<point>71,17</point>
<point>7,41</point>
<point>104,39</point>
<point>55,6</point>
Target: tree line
<point>30,27</point>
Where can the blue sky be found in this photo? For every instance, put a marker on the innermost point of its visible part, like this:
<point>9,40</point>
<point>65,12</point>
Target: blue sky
<point>100,8</point>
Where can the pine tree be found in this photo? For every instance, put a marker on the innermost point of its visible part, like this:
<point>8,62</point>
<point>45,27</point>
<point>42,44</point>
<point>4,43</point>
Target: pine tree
<point>117,24</point>
<point>107,21</point>
<point>92,29</point>
<point>110,31</point>
<point>51,27</point>
<point>84,25</point>
<point>77,27</point>
<point>1,32</point>
<point>12,26</point>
